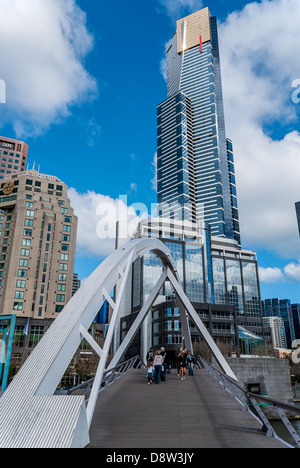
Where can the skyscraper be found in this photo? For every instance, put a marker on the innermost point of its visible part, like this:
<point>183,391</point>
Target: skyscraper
<point>195,166</point>
<point>37,245</point>
<point>13,156</point>
<point>281,308</point>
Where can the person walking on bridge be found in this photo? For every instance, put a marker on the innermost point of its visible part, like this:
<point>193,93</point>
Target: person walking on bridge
<point>190,362</point>
<point>183,364</point>
<point>158,363</point>
<point>178,353</point>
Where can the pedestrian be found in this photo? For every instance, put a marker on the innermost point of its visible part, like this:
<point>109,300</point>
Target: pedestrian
<point>150,372</point>
<point>178,360</point>
<point>150,355</point>
<point>183,364</point>
<point>165,364</point>
<point>158,363</point>
<point>190,362</point>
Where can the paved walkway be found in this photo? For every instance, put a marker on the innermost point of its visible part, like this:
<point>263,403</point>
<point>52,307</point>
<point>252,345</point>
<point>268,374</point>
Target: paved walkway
<point>194,413</point>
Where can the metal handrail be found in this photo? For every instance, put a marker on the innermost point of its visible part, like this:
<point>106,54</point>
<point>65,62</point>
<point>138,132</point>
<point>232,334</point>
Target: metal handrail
<point>249,401</point>
<point>110,376</point>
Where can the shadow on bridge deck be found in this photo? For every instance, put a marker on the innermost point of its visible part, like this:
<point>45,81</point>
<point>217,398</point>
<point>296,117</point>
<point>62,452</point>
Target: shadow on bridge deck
<point>194,413</point>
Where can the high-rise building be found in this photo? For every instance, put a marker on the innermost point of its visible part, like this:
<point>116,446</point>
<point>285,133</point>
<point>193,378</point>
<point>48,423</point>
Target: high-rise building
<point>76,283</point>
<point>195,166</point>
<point>276,324</point>
<point>296,319</point>
<point>13,156</point>
<point>281,308</point>
<point>298,214</point>
<point>37,245</point>
<point>219,278</point>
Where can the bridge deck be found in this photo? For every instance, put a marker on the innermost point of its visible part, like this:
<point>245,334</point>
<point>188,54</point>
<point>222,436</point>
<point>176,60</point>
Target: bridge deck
<point>194,413</point>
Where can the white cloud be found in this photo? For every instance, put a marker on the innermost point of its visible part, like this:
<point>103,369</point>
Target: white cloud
<point>97,217</point>
<point>270,275</point>
<point>43,47</point>
<point>259,50</point>
<point>292,271</point>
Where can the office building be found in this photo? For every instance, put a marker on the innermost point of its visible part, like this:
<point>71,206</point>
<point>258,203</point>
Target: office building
<point>281,308</point>
<point>13,156</point>
<point>276,324</point>
<point>37,245</point>
<point>219,278</point>
<point>195,165</point>
<point>76,283</point>
<point>296,319</point>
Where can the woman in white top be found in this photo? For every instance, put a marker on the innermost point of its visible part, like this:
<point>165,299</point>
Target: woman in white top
<point>157,364</point>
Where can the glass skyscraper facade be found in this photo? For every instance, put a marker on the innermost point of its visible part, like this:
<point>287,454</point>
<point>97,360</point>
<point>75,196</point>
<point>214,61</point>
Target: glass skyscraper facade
<point>281,308</point>
<point>219,278</point>
<point>198,156</point>
<point>198,216</point>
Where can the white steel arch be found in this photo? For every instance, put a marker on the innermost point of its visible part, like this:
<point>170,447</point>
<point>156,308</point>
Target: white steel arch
<point>30,414</point>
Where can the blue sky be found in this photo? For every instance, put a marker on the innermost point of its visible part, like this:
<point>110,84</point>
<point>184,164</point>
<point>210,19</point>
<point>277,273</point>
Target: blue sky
<point>83,81</point>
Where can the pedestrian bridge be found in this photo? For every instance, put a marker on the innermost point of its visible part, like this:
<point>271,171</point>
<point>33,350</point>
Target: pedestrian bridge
<point>194,413</point>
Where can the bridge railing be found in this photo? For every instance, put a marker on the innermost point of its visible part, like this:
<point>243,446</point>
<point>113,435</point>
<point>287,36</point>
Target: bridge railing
<point>250,403</point>
<point>109,377</point>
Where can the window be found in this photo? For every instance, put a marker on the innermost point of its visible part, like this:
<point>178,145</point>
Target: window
<point>19,294</point>
<point>65,247</point>
<point>58,308</point>
<point>68,219</point>
<point>60,297</point>
<point>29,182</point>
<point>64,257</point>
<point>29,204</point>
<point>28,232</point>
<point>26,242</point>
<point>61,287</point>
<point>18,306</point>
<point>29,222</point>
<point>30,213</point>
<point>22,273</point>
<point>62,277</point>
<point>63,267</point>
<point>66,228</point>
<point>21,284</point>
<point>23,262</point>
<point>36,333</point>
<point>64,210</point>
<point>25,252</point>
<point>66,238</point>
